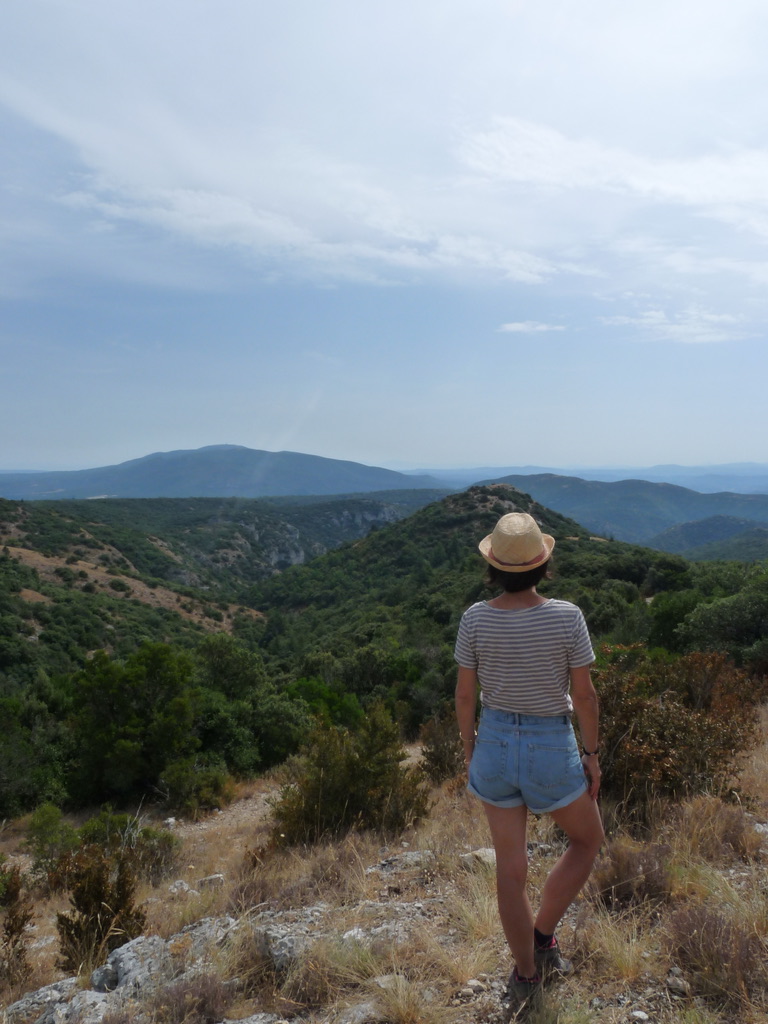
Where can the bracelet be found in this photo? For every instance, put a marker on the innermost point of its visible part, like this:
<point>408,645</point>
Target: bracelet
<point>470,740</point>
<point>591,753</point>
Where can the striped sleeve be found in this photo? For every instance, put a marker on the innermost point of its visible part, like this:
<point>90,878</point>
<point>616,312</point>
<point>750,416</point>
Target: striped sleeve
<point>581,652</point>
<point>464,652</point>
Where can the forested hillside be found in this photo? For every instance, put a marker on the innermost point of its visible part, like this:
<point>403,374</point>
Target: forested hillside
<point>157,648</point>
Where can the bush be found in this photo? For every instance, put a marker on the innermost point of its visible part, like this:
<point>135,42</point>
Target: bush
<point>723,954</point>
<point>630,874</point>
<point>672,729</point>
<point>442,751</point>
<point>152,852</point>
<point>57,848</point>
<point>192,786</point>
<point>202,999</point>
<point>5,877</point>
<point>714,830</point>
<point>345,781</point>
<point>103,917</point>
<point>14,964</point>
<point>49,840</point>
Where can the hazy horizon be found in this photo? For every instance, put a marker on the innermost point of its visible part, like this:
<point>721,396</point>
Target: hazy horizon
<point>404,467</point>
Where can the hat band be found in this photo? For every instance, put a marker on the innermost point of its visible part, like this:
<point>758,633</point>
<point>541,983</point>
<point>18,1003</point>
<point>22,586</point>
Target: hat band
<point>533,561</point>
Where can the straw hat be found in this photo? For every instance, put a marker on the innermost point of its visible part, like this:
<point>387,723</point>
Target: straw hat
<point>516,544</point>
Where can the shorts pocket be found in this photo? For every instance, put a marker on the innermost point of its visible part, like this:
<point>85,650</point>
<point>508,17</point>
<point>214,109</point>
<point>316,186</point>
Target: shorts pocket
<point>550,766</point>
<point>489,759</point>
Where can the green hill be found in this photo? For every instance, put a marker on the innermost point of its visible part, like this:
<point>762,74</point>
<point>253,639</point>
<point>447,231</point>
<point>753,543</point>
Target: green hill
<point>127,621</point>
<point>79,576</point>
<point>403,589</point>
<point>749,546</point>
<point>693,535</point>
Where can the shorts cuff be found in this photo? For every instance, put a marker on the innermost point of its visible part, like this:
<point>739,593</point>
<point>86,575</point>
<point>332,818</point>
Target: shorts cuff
<point>513,801</point>
<point>560,803</point>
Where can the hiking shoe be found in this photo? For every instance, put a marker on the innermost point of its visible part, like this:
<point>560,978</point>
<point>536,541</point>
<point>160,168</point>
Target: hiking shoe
<point>549,961</point>
<point>523,994</point>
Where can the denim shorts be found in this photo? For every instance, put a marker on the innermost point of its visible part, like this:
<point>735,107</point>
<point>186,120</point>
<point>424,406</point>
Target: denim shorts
<point>526,759</point>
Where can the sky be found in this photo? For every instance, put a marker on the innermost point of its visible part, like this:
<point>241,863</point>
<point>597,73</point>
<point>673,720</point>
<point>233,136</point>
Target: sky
<point>421,234</point>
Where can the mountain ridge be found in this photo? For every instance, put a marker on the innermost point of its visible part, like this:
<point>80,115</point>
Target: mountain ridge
<point>218,471</point>
<point>635,511</point>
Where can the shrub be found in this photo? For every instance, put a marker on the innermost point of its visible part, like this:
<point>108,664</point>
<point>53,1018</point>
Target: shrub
<point>191,786</point>
<point>5,877</point>
<point>152,852</point>
<point>346,782</point>
<point>202,999</point>
<point>442,751</point>
<point>722,953</point>
<point>14,964</point>
<point>49,839</point>
<point>57,848</point>
<point>714,830</point>
<point>103,915</point>
<point>631,874</point>
<point>672,729</point>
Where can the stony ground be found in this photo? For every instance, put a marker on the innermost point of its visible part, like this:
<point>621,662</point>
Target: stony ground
<point>421,910</point>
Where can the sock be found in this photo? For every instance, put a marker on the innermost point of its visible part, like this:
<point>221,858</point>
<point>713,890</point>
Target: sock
<point>532,980</point>
<point>542,941</point>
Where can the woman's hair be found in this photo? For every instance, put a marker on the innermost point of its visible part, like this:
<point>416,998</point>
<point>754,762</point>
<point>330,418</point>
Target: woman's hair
<point>513,582</point>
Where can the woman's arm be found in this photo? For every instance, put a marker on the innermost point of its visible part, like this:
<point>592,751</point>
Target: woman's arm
<point>466,706</point>
<point>585,705</point>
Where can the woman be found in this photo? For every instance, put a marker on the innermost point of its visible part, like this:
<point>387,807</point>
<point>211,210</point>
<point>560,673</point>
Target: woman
<point>530,657</point>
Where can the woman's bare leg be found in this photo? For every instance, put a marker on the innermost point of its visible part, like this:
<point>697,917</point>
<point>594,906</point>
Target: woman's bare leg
<point>581,823</point>
<point>508,829</point>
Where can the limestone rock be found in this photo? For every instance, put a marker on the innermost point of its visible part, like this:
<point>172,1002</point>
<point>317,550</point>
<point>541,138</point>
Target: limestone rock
<point>33,1005</point>
<point>211,882</point>
<point>485,857</point>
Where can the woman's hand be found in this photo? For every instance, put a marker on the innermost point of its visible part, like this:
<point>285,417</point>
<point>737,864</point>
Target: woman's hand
<point>591,765</point>
<point>466,706</point>
<point>469,746</point>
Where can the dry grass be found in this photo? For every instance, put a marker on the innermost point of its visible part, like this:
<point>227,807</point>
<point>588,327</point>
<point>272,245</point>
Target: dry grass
<point>721,951</point>
<point>706,828</point>
<point>330,969</point>
<point>753,776</point>
<point>203,999</point>
<point>690,892</point>
<point>620,947</point>
<point>286,879</point>
<point>473,912</point>
<point>453,959</point>
<point>402,1001</point>
<point>631,874</point>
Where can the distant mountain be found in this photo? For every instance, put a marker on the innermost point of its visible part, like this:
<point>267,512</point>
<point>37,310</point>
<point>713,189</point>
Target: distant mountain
<point>634,510</point>
<point>217,471</point>
<point>738,477</point>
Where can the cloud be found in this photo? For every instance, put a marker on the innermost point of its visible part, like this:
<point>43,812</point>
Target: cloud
<point>270,137</point>
<point>517,151</point>
<point>690,326</point>
<point>529,327</point>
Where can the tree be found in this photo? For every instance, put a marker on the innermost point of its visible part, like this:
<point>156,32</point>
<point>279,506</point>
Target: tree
<point>130,720</point>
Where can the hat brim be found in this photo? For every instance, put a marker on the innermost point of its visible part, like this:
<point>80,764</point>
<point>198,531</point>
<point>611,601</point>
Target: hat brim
<point>546,553</point>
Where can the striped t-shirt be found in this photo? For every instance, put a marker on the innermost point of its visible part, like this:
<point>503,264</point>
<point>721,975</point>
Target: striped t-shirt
<point>522,656</point>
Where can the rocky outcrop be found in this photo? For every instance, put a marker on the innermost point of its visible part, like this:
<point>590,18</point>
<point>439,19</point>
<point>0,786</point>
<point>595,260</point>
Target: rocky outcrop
<point>149,966</point>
